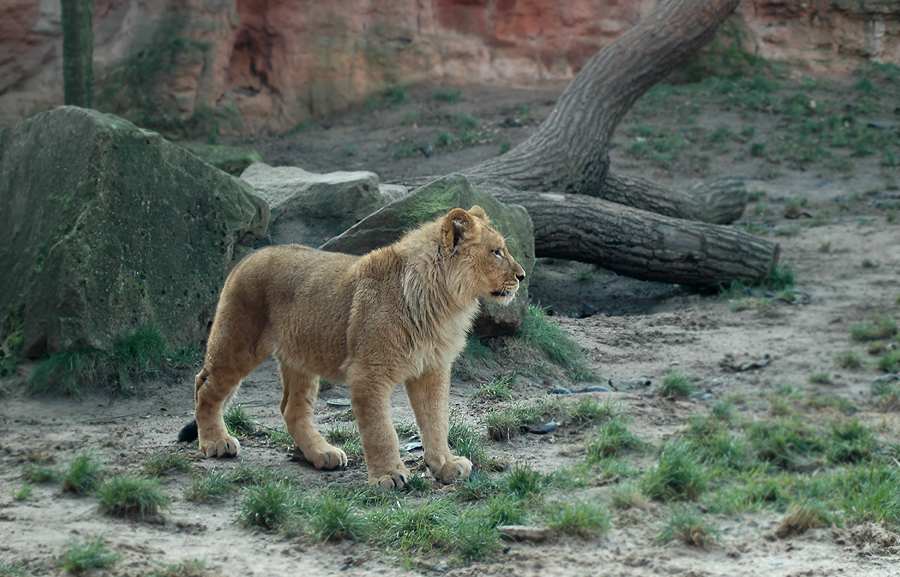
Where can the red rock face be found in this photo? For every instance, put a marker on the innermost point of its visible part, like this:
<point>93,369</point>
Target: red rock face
<point>268,65</point>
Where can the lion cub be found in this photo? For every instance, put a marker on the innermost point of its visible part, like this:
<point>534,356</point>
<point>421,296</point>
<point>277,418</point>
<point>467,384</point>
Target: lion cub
<point>398,314</point>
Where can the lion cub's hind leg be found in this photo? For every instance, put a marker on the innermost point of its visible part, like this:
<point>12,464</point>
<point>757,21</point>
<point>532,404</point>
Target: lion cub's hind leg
<point>297,402</point>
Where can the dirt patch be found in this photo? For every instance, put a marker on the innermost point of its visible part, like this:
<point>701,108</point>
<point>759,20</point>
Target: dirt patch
<point>744,345</point>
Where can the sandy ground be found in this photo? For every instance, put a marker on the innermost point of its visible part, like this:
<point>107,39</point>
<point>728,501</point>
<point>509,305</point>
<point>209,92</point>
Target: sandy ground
<point>641,330</point>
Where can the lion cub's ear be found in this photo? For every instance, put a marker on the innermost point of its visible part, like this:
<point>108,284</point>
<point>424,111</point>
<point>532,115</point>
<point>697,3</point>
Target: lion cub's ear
<point>479,212</point>
<point>458,228</point>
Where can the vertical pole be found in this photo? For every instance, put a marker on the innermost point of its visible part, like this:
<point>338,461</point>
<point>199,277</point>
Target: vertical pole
<point>78,52</point>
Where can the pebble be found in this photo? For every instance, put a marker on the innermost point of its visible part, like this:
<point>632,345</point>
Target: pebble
<point>413,446</point>
<point>338,402</point>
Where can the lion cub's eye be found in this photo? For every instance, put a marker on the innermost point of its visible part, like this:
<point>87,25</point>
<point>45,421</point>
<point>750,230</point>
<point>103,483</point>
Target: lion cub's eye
<point>498,253</point>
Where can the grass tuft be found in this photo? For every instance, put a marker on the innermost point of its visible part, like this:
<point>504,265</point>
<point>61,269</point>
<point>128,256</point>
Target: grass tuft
<point>161,464</point>
<point>210,487</point>
<point>581,518</point>
<point>266,506</point>
<point>239,422</point>
<point>554,343</point>
<point>676,385</point>
<point>685,525</point>
<point>334,518</point>
<point>80,556</point>
<point>499,389</point>
<point>131,496</point>
<point>612,438</point>
<point>84,475</point>
<point>802,517</point>
<point>677,476</point>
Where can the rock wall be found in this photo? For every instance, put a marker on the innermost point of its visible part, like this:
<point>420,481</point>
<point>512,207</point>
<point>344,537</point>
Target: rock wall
<point>250,66</point>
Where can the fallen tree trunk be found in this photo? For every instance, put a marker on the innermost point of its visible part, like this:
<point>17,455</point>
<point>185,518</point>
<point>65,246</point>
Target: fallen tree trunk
<point>638,243</point>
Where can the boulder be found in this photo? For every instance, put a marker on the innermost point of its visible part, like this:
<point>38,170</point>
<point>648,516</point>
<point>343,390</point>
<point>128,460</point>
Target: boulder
<point>310,208</point>
<point>432,200</point>
<point>105,227</point>
<point>232,159</point>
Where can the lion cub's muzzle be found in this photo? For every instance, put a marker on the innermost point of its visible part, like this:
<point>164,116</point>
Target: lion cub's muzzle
<point>507,292</point>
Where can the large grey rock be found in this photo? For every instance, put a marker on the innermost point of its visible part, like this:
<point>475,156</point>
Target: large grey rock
<point>310,208</point>
<point>427,203</point>
<point>105,227</point>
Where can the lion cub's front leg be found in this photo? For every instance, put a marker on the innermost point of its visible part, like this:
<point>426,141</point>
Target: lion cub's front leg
<point>371,403</point>
<point>429,396</point>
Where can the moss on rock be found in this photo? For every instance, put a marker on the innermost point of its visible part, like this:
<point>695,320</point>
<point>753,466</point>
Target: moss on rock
<point>107,227</point>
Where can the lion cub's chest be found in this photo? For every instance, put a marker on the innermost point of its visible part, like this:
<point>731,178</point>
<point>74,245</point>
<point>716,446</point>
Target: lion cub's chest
<point>435,350</point>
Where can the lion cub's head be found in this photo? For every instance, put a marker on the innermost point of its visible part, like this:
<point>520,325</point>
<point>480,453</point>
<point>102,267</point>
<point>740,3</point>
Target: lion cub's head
<point>490,270</point>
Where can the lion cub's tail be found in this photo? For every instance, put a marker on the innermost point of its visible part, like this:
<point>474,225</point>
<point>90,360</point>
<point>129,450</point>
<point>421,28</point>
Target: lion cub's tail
<point>188,433</point>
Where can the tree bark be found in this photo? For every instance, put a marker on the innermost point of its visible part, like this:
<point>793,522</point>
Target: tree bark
<point>78,52</point>
<point>584,211</point>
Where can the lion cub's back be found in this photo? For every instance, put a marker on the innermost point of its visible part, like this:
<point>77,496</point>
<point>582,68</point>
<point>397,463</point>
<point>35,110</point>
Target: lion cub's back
<point>307,296</point>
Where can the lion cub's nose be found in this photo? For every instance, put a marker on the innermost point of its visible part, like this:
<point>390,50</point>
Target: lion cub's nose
<point>521,277</point>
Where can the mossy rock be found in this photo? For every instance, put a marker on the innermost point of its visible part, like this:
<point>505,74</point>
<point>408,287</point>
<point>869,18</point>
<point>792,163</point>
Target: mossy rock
<point>232,159</point>
<point>106,227</point>
<point>431,201</point>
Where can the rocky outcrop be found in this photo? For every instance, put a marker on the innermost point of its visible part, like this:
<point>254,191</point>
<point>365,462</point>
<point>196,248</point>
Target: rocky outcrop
<point>256,66</point>
<point>432,200</point>
<point>105,227</point>
<point>311,208</point>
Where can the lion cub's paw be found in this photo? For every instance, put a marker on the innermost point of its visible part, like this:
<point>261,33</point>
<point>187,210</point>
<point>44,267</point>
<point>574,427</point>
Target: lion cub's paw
<point>456,468</point>
<point>394,480</point>
<point>227,447</point>
<point>330,458</point>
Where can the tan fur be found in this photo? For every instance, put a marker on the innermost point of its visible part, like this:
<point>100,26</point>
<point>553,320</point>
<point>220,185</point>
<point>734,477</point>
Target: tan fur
<point>399,314</point>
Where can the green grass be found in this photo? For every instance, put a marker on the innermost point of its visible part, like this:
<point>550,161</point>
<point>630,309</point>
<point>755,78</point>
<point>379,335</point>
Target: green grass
<point>849,360</point>
<point>820,377</point>
<point>131,496</point>
<point>335,518</point>
<point>38,473</point>
<point>554,344</point>
<point>523,481</point>
<point>677,475</point>
<point>584,519</point>
<point>84,475</point>
<point>686,525</point>
<point>81,556</point>
<point>164,463</point>
<point>11,569</point>
<point>889,361</point>
<point>499,389</point>
<point>212,486</point>
<point>135,357</point>
<point>239,422</point>
<point>882,327</point>
<point>466,442</point>
<point>447,96</point>
<point>612,438</point>
<point>23,492</point>
<point>676,385</point>
<point>267,506</point>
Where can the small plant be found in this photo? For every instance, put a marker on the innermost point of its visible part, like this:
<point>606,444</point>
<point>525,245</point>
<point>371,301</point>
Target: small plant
<point>676,385</point>
<point>868,263</point>
<point>554,343</point>
<point>523,481</point>
<point>505,510</point>
<point>161,464</point>
<point>239,423</point>
<point>351,150</point>
<point>612,438</point>
<point>447,95</point>
<point>505,146</point>
<point>266,506</point>
<point>465,121</point>
<point>851,442</point>
<point>588,410</point>
<point>444,139</point>
<point>38,473</point>
<point>465,442</point>
<point>758,149</point>
<point>499,389</point>
<point>848,360</point>
<point>84,475</point>
<point>677,475</point>
<point>881,327</point>
<point>11,569</point>
<point>628,496</point>
<point>889,361</point>
<point>82,556</point>
<point>802,517</point>
<point>396,95</point>
<point>210,487</point>
<point>582,518</point>
<point>131,496</point>
<point>685,525</point>
<point>334,518</point>
<point>820,377</point>
<point>23,492</point>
